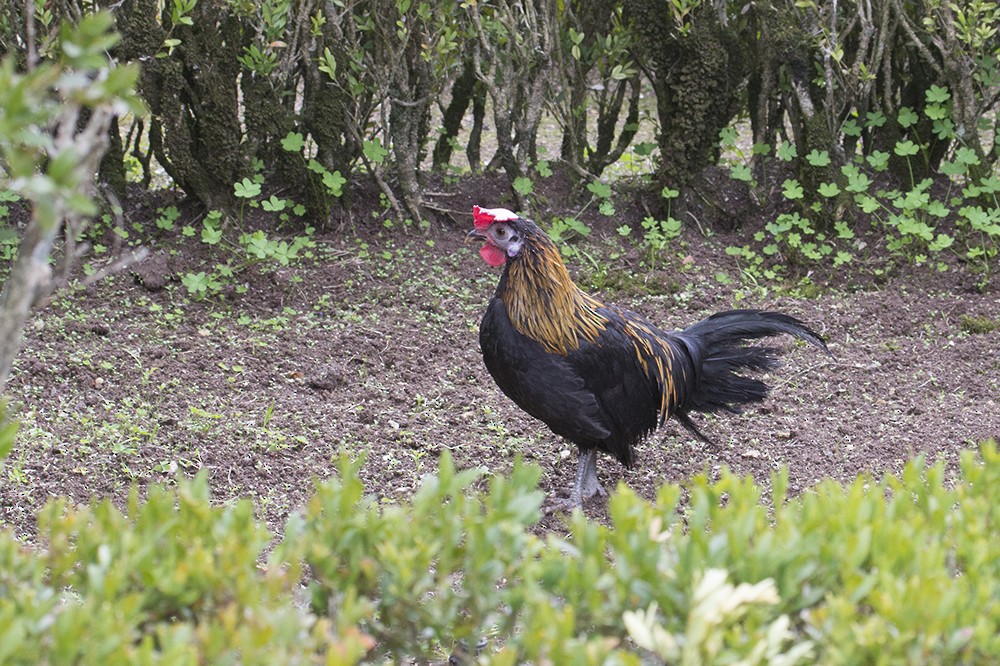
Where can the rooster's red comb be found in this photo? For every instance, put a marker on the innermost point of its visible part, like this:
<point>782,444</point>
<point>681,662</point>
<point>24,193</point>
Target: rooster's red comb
<point>484,217</point>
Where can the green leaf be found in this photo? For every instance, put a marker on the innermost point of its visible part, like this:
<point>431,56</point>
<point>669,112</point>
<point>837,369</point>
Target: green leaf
<point>878,160</point>
<point>599,189</point>
<point>334,182</point>
<point>907,117</point>
<point>989,184</point>
<point>741,172</point>
<point>374,151</point>
<point>941,242</point>
<point>210,235</point>
<point>645,148</point>
<point>577,226</point>
<point>937,95</point>
<point>843,231</point>
<point>944,129</point>
<point>196,283</point>
<point>791,189</point>
<point>818,158</point>
<point>936,111</point>
<point>906,148</point>
<point>967,156</point>
<point>952,168</point>
<point>868,204</point>
<point>246,189</point>
<point>293,142</point>
<point>523,185</point>
<point>621,72</point>
<point>938,209</point>
<point>274,204</point>
<point>829,189</point>
<point>787,151</point>
<point>851,128</point>
<point>875,119</point>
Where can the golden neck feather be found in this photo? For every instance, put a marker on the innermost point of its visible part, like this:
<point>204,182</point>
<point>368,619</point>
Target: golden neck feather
<point>544,304</point>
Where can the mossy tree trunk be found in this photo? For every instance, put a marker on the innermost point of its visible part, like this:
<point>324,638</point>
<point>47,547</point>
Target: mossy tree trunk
<point>699,75</point>
<point>269,118</point>
<point>411,91</point>
<point>192,96</point>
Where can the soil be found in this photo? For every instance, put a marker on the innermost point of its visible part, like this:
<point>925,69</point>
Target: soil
<point>370,348</point>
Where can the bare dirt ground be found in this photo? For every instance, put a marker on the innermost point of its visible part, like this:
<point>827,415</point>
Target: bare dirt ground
<point>371,347</point>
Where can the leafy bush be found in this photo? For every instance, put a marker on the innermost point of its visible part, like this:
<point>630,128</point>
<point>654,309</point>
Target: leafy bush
<point>898,570</point>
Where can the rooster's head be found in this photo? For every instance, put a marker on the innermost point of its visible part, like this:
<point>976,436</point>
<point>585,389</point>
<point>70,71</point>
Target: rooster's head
<point>503,231</point>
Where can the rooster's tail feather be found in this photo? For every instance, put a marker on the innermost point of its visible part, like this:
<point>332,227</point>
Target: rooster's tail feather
<point>716,347</point>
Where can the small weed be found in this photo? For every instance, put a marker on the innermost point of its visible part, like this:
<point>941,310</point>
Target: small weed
<point>978,325</point>
<point>166,218</point>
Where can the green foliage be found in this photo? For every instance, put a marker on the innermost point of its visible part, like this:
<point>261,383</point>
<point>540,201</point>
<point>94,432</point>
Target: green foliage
<point>332,181</point>
<point>410,585</point>
<point>42,166</point>
<point>922,222</point>
<point>374,151</point>
<point>255,248</point>
<point>657,234</point>
<point>353,83</point>
<point>171,579</point>
<point>523,185</point>
<point>8,234</point>
<point>897,570</point>
<point>563,229</point>
<point>166,218</point>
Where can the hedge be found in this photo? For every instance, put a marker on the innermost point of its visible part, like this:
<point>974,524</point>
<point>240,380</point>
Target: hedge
<point>903,569</point>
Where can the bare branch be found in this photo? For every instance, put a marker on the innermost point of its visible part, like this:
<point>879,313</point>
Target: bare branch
<point>915,41</point>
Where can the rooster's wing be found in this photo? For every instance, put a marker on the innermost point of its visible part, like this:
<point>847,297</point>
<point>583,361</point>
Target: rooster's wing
<point>548,386</point>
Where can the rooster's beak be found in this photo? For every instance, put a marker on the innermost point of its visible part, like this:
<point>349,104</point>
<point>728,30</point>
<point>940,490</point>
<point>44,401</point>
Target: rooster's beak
<point>474,234</point>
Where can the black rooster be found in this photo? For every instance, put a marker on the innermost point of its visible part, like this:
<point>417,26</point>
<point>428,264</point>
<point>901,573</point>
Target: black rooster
<point>599,375</point>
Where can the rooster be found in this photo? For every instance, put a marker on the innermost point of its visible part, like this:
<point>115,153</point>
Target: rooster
<point>599,375</point>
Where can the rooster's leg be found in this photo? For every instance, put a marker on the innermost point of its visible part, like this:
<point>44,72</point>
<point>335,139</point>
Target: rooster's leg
<point>588,485</point>
<point>585,487</point>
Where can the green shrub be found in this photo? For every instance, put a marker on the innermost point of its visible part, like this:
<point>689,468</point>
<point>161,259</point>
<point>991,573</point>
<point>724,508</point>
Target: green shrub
<point>898,570</point>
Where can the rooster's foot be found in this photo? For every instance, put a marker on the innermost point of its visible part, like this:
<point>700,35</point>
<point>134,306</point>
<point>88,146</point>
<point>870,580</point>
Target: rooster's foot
<point>586,485</point>
<point>558,505</point>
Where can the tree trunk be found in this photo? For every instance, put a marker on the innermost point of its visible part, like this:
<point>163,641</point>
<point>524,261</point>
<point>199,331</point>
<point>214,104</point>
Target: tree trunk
<point>698,78</point>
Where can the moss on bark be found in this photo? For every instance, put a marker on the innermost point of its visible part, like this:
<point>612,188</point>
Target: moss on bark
<point>698,78</point>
